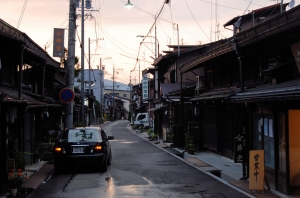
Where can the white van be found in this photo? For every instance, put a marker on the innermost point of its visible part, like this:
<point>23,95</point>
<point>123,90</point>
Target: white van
<point>141,119</point>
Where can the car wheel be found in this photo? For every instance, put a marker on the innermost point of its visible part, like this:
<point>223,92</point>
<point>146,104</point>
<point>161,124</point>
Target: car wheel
<point>110,158</point>
<point>104,166</point>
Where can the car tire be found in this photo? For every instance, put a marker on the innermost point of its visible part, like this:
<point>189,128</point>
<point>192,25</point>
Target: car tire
<point>104,166</point>
<point>110,158</point>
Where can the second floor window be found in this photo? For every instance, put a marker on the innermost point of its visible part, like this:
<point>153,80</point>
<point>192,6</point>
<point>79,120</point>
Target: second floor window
<point>27,76</point>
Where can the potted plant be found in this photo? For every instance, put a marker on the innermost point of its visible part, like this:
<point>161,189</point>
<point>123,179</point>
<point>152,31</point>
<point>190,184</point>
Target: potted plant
<point>190,146</point>
<point>154,136</point>
<point>16,177</point>
<point>37,152</point>
<point>140,128</point>
<point>20,161</point>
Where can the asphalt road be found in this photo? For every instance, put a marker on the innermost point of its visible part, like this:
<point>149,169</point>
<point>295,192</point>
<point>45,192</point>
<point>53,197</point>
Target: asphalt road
<point>139,169</point>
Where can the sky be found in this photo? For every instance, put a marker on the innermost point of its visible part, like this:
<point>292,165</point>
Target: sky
<point>113,29</point>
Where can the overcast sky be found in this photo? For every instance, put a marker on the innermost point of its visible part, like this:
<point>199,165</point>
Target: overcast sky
<point>198,22</point>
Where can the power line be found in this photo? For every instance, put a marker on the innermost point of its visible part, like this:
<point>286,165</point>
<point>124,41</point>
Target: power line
<point>196,21</point>
<point>22,13</point>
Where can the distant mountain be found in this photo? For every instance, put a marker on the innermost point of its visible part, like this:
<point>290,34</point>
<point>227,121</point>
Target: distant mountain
<point>108,84</point>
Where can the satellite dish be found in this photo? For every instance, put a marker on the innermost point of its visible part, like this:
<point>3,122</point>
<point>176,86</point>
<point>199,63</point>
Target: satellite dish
<point>292,3</point>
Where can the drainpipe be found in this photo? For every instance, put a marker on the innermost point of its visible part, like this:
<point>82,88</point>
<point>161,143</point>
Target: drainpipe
<point>21,71</point>
<point>43,80</point>
<point>253,13</point>
<point>240,64</point>
<point>181,100</point>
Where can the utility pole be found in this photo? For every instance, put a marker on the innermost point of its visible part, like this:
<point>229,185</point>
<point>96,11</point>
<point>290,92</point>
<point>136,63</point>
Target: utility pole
<point>100,99</point>
<point>71,62</point>
<point>82,119</point>
<point>113,116</point>
<point>101,85</point>
<point>89,66</point>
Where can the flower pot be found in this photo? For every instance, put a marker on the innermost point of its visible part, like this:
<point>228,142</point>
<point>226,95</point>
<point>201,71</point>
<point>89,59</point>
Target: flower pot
<point>13,192</point>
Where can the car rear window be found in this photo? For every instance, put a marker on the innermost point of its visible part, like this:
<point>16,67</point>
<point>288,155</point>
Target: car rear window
<point>74,135</point>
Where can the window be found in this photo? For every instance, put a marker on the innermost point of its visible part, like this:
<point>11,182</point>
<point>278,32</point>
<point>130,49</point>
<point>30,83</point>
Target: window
<point>74,135</point>
<point>27,74</point>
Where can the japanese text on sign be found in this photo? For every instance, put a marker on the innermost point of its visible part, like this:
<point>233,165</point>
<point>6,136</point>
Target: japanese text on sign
<point>58,42</point>
<point>240,145</point>
<point>256,170</point>
<point>145,86</point>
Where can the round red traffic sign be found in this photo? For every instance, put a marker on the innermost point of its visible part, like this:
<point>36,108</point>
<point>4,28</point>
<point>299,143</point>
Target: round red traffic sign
<point>66,95</point>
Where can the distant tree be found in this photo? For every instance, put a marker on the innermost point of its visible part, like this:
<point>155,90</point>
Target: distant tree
<point>64,63</point>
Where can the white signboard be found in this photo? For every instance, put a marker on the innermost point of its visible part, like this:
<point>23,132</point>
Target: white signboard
<point>145,86</point>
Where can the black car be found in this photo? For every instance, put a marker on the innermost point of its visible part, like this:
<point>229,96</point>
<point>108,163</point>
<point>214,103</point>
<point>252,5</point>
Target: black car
<point>83,146</point>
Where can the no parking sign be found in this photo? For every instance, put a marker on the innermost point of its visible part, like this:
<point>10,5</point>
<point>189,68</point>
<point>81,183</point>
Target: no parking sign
<point>66,95</point>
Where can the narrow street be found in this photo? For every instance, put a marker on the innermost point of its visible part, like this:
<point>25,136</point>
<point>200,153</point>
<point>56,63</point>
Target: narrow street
<point>139,169</point>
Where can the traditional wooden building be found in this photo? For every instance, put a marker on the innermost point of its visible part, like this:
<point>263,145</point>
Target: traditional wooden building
<point>250,96</point>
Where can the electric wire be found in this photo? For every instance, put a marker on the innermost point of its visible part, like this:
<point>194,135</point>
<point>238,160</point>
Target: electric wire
<point>22,13</point>
<point>196,21</point>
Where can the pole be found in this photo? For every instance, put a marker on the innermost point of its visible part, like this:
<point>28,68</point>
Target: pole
<point>130,101</point>
<point>178,41</point>
<point>82,63</point>
<point>89,66</point>
<point>100,91</point>
<point>71,62</point>
<point>155,56</point>
<point>113,116</point>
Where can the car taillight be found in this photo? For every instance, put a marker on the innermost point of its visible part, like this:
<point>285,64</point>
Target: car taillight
<point>58,149</point>
<point>97,148</point>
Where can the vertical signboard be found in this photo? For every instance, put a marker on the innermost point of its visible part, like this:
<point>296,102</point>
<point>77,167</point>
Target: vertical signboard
<point>240,146</point>
<point>240,139</point>
<point>58,42</point>
<point>145,86</point>
<point>256,169</point>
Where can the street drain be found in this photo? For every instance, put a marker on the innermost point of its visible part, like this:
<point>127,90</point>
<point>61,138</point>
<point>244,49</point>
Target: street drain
<point>166,163</point>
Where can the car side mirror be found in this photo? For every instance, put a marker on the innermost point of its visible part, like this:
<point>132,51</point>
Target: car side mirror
<point>110,137</point>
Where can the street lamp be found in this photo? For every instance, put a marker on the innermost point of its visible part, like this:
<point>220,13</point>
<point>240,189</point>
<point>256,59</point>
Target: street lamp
<point>156,44</point>
<point>128,5</point>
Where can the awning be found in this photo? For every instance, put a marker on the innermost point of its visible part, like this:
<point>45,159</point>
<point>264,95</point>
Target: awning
<point>10,95</point>
<point>289,90</point>
<point>216,95</point>
<point>166,89</point>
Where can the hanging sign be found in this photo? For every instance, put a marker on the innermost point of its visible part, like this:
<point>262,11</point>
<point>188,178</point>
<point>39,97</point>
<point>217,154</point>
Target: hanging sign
<point>66,95</point>
<point>145,86</point>
<point>58,43</point>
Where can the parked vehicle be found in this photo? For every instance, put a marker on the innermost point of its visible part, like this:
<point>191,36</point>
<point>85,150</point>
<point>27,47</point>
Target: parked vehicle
<point>141,119</point>
<point>83,146</point>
